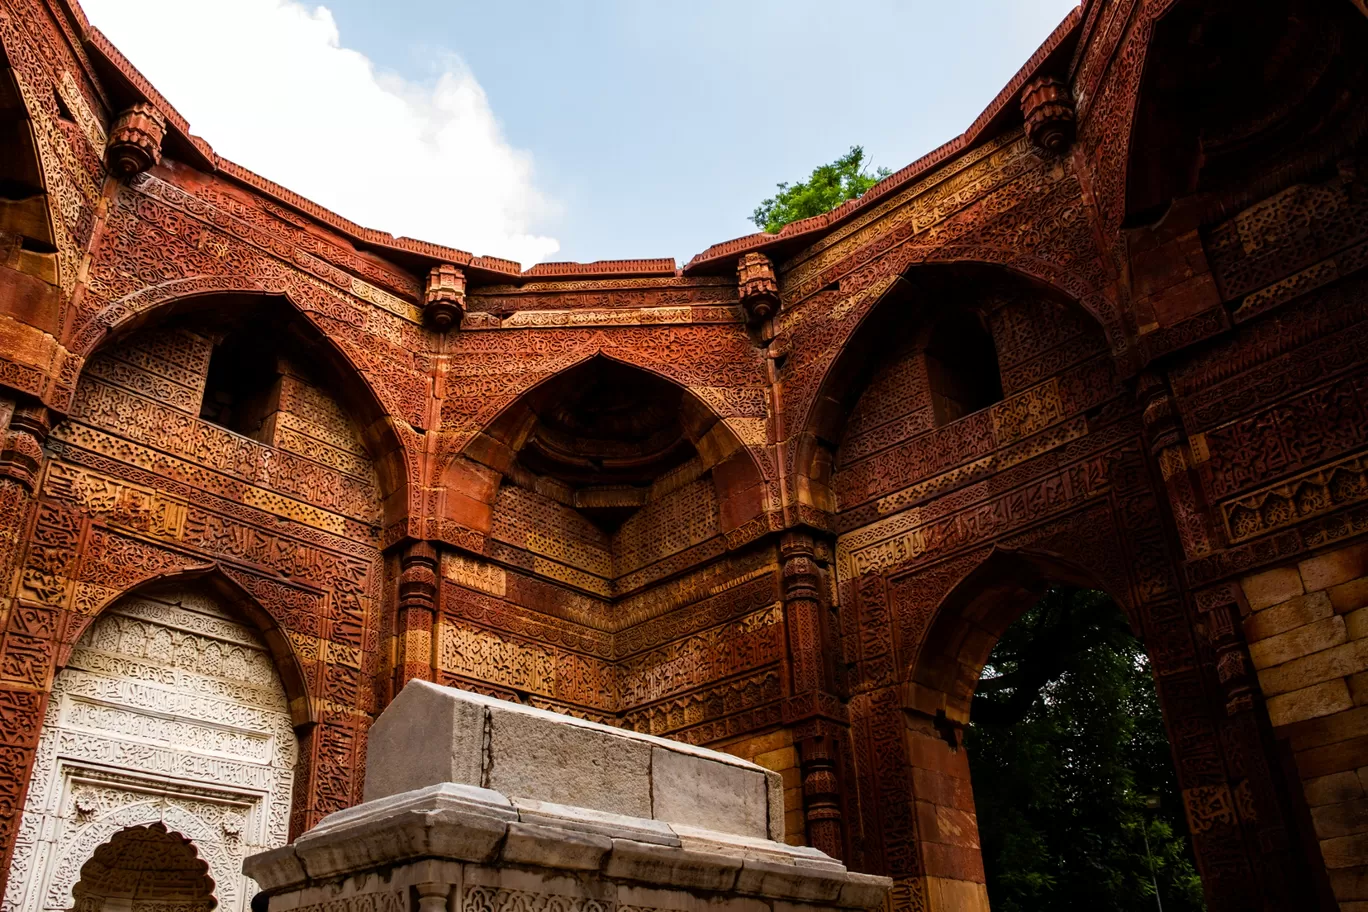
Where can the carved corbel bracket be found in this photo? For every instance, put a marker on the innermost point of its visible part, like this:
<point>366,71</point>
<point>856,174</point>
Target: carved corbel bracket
<point>135,140</point>
<point>1048,106</point>
<point>758,288</point>
<point>21,445</point>
<point>444,305</point>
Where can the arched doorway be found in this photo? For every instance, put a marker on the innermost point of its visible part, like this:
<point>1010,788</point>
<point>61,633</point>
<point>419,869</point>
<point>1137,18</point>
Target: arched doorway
<point>168,724</point>
<point>148,869</point>
<point>1074,790</point>
<point>965,691</point>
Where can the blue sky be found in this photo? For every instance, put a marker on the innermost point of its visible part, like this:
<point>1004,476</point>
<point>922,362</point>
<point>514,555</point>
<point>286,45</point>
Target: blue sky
<point>573,130</point>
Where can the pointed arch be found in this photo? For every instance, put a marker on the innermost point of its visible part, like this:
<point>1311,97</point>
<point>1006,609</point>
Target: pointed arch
<point>471,479</point>
<point>369,396</point>
<point>213,580</point>
<point>974,615</point>
<point>905,309</point>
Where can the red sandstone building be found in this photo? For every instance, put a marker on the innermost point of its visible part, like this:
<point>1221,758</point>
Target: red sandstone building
<point>781,501</point>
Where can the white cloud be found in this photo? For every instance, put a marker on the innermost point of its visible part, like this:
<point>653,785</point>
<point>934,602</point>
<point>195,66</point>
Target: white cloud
<point>270,86</point>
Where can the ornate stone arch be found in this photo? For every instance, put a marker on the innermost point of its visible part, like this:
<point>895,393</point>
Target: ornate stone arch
<point>176,819</point>
<point>824,388</point>
<point>389,442</point>
<point>975,612</point>
<point>728,445</point>
<point>175,713</point>
<point>213,579</point>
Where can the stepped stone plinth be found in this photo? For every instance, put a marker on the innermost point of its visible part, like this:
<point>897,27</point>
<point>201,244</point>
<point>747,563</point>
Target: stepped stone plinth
<point>479,805</point>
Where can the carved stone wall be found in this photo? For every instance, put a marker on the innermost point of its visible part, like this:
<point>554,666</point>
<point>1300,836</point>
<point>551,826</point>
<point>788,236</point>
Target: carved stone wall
<point>169,712</point>
<point>801,541</point>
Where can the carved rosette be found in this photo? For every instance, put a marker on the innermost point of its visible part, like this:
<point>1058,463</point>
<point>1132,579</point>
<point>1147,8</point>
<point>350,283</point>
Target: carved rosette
<point>445,302</point>
<point>135,140</point>
<point>759,291</point>
<point>1048,107</point>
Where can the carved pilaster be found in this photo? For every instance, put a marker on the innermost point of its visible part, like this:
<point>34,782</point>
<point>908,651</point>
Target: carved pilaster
<point>802,610</point>
<point>1220,616</point>
<point>757,287</point>
<point>1048,107</point>
<point>21,449</point>
<point>817,714</point>
<point>444,305</point>
<point>135,140</point>
<point>819,759</point>
<point>1257,801</point>
<point>417,610</point>
<point>1175,458</point>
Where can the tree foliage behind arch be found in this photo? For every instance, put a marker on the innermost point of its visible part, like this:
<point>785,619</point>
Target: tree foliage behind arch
<point>1067,751</point>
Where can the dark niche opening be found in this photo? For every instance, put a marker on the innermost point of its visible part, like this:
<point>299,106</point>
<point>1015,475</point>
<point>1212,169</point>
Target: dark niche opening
<point>962,367</point>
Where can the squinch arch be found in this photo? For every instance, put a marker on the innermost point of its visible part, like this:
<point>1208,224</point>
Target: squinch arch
<point>600,437</point>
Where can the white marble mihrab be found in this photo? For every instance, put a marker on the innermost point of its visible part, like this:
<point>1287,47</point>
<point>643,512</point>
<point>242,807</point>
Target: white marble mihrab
<point>170,711</point>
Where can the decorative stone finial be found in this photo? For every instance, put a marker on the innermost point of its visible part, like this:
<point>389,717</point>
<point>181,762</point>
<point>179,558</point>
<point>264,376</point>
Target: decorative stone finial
<point>1049,109</point>
<point>135,141</point>
<point>445,296</point>
<point>759,290</point>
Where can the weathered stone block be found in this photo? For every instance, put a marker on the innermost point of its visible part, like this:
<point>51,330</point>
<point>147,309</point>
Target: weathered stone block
<point>1272,587</point>
<point>1343,819</point>
<point>1345,851</point>
<point>698,792</point>
<point>1332,758</point>
<point>1346,597</point>
<point>960,895</point>
<point>781,759</point>
<point>548,763</point>
<point>1334,568</point>
<point>589,820</point>
<point>1318,732</point>
<point>552,847</point>
<point>1336,662</point>
<point>1291,614</point>
<point>423,738</point>
<point>1310,702</point>
<point>1350,883</point>
<point>1332,789</point>
<point>1295,644</point>
<point>676,867</point>
<point>567,764</point>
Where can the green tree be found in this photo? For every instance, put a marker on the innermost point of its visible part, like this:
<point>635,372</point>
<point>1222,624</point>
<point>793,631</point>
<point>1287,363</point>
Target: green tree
<point>826,188</point>
<point>1067,752</point>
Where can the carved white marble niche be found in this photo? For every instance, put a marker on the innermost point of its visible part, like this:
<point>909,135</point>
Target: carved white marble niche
<point>169,723</point>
